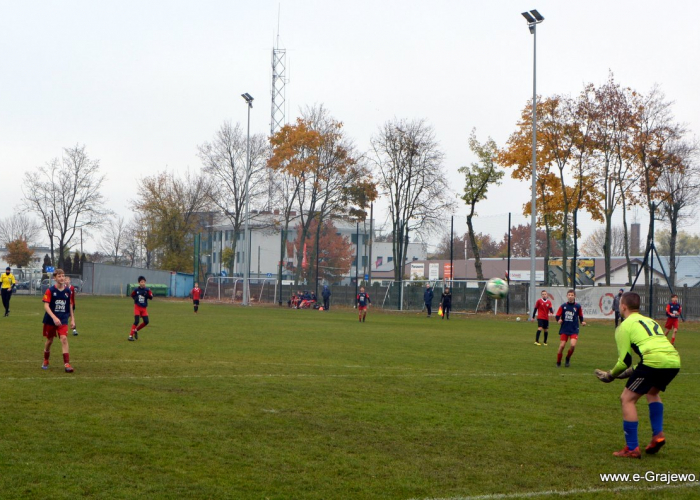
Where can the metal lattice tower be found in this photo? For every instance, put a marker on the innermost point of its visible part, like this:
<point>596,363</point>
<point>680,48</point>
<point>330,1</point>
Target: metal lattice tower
<point>279,82</point>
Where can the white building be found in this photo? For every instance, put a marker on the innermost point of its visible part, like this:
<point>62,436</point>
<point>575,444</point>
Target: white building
<point>265,245</point>
<point>37,259</point>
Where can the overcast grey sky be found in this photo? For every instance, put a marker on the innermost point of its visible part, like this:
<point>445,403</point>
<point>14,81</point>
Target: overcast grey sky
<point>141,84</point>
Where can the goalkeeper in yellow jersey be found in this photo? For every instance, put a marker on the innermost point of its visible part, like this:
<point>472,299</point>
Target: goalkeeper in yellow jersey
<point>659,364</point>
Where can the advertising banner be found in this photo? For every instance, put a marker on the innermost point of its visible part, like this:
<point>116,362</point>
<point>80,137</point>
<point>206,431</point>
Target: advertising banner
<point>434,272</point>
<point>447,271</point>
<point>417,271</point>
<point>596,302</point>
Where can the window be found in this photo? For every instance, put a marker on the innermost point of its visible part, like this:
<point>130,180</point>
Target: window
<point>214,258</point>
<point>353,238</point>
<point>238,257</point>
<point>389,259</point>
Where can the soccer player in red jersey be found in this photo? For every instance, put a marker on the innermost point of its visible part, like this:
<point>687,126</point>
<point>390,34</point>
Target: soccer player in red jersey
<point>363,301</point>
<point>673,312</point>
<point>196,294</point>
<point>568,316</point>
<point>141,296</point>
<point>57,311</point>
<point>543,309</point>
<point>72,298</point>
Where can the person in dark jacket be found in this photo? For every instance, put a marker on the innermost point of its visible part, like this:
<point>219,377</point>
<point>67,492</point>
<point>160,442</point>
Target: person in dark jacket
<point>428,298</point>
<point>616,306</point>
<point>326,294</point>
<point>446,303</point>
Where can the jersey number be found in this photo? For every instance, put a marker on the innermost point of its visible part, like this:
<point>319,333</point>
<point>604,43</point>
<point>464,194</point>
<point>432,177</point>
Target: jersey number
<point>657,329</point>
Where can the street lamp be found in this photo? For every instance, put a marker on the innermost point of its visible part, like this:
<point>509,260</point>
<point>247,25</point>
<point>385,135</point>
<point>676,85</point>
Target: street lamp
<point>246,275</point>
<point>533,18</point>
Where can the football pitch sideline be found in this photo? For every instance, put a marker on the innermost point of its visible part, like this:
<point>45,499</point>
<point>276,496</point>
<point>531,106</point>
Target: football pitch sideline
<point>267,402</point>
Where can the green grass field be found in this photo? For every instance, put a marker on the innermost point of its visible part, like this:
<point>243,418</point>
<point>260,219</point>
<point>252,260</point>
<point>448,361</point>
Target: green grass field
<point>275,403</point>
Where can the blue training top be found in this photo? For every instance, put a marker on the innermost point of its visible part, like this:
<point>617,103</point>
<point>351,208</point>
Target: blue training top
<point>569,314</point>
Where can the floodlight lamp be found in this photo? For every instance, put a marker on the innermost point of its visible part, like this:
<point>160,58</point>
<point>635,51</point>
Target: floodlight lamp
<point>248,98</point>
<point>528,17</point>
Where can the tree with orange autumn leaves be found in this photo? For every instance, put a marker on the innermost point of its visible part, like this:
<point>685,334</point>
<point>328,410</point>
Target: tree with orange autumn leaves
<point>604,149</point>
<point>324,175</point>
<point>335,253</point>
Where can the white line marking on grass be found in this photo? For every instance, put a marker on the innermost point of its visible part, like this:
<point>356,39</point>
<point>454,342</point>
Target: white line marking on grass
<point>564,493</point>
<point>266,375</point>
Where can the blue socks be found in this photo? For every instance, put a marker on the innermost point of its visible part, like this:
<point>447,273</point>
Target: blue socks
<point>656,415</point>
<point>630,429</point>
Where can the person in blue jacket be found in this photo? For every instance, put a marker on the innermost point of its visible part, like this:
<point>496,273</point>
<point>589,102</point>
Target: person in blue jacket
<point>428,298</point>
<point>326,294</point>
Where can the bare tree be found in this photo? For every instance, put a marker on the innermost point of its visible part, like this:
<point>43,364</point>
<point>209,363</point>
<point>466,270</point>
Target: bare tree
<point>596,244</point>
<point>224,159</point>
<point>679,183</point>
<point>113,239</point>
<point>133,246</point>
<point>19,226</point>
<point>65,194</point>
<point>411,174</point>
<point>654,130</point>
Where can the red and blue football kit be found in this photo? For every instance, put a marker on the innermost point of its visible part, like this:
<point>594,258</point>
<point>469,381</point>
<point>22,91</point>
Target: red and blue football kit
<point>543,308</point>
<point>141,297</point>
<point>72,296</point>
<point>59,302</point>
<point>672,318</point>
<point>570,314</point>
<point>362,300</point>
<point>196,293</point>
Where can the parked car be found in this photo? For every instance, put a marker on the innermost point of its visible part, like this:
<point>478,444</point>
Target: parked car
<point>23,285</point>
<point>77,284</point>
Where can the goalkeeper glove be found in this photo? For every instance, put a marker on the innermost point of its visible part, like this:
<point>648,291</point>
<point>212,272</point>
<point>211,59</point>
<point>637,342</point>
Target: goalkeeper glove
<point>603,376</point>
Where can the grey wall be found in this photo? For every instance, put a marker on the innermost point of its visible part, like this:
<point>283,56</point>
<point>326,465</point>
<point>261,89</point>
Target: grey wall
<point>105,279</point>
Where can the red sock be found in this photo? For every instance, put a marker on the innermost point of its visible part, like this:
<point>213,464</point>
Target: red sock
<point>65,357</point>
<point>142,325</point>
<point>46,355</point>
<point>558,357</point>
<point>568,354</point>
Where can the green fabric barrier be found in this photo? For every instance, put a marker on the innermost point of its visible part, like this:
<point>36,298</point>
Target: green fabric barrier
<point>158,290</point>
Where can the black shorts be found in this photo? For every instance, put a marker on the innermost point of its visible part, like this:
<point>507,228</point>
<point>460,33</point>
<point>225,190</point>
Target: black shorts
<point>644,378</point>
<point>543,323</point>
<point>195,302</point>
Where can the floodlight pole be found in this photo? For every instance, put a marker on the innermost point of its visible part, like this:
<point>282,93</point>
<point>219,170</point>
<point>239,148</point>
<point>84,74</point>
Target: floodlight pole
<point>246,274</point>
<point>533,18</point>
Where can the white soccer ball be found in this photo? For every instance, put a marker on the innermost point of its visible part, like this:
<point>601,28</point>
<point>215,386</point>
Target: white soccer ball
<point>517,319</point>
<point>496,288</point>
